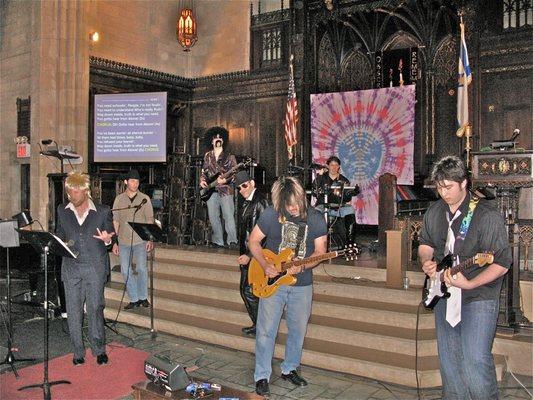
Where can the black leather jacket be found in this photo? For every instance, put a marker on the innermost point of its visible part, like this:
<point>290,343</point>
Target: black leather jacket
<point>251,210</point>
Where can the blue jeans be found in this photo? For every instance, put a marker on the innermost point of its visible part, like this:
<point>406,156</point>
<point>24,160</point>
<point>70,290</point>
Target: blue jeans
<point>297,301</point>
<point>214,204</point>
<point>136,281</point>
<point>465,351</point>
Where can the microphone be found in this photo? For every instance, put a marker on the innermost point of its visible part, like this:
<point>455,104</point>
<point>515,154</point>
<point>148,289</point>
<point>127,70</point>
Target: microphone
<point>46,142</point>
<point>516,133</point>
<point>139,206</point>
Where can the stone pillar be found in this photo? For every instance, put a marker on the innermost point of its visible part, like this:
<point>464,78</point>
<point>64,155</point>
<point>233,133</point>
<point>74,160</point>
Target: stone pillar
<point>59,89</point>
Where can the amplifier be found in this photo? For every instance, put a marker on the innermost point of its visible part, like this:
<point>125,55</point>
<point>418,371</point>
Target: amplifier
<point>164,372</point>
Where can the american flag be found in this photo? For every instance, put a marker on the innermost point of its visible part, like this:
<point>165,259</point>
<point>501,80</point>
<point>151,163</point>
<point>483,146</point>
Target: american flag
<point>464,79</point>
<point>291,117</point>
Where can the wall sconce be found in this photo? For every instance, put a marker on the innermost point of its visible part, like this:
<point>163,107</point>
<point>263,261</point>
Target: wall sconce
<point>94,37</point>
<point>186,29</point>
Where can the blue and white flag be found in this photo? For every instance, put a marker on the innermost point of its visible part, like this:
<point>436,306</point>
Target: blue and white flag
<point>464,79</point>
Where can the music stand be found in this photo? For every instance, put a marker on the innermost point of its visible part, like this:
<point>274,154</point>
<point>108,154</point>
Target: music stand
<point>10,238</point>
<point>150,233</point>
<point>46,243</point>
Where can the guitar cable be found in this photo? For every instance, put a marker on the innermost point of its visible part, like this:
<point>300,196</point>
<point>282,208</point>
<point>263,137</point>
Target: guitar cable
<point>416,349</point>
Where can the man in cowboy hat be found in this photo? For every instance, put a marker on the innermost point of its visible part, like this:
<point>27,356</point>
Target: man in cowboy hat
<point>133,206</point>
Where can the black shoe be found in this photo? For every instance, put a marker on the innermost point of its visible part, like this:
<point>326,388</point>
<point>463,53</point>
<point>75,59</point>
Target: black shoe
<point>249,330</point>
<point>78,361</point>
<point>233,246</point>
<point>261,387</point>
<point>294,378</point>
<point>143,303</point>
<point>131,305</point>
<point>216,246</point>
<point>102,359</point>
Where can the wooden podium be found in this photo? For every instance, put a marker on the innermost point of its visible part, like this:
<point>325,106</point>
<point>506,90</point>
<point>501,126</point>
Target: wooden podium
<point>509,174</point>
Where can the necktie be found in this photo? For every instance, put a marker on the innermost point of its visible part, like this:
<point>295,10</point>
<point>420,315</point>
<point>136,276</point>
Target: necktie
<point>453,304</point>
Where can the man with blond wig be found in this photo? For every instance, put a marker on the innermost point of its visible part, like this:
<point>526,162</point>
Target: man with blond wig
<point>88,229</point>
<point>289,223</point>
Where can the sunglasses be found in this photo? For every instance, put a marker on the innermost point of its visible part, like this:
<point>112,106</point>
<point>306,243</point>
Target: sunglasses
<point>243,185</point>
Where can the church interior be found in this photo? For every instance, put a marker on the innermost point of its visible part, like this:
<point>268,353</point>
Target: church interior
<point>107,87</point>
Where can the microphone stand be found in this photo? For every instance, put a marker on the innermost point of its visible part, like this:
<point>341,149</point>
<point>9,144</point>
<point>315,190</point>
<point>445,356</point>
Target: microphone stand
<point>112,325</point>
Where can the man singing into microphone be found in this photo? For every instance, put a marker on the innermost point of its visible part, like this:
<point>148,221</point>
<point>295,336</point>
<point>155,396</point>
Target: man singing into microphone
<point>133,206</point>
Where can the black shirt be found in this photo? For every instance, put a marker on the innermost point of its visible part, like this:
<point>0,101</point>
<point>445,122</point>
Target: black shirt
<point>324,182</point>
<point>282,236</point>
<point>487,233</point>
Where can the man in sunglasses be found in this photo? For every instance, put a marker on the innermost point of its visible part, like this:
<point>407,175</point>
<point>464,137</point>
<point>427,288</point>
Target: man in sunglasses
<point>254,204</point>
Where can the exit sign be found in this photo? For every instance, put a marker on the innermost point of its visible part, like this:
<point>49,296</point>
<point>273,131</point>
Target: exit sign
<point>23,150</point>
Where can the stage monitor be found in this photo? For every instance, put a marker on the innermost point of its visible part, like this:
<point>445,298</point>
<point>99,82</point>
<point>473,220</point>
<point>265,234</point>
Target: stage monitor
<point>130,127</point>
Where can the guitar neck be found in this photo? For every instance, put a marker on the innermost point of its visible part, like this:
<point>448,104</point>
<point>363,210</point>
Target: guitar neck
<point>310,260</point>
<point>460,267</point>
<point>226,175</point>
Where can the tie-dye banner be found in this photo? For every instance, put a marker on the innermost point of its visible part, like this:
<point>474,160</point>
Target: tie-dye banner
<point>372,132</point>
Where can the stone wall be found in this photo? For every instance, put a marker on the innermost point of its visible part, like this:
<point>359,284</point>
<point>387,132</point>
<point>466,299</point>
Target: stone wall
<point>44,53</point>
<point>143,33</point>
<point>16,20</point>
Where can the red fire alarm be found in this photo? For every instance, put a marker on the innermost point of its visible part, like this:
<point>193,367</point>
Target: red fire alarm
<point>23,150</point>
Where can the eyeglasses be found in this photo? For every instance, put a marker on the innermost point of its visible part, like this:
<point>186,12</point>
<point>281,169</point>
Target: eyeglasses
<point>243,185</point>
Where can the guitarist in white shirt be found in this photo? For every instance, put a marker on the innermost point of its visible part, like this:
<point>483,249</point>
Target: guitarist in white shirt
<point>290,223</point>
<point>466,321</point>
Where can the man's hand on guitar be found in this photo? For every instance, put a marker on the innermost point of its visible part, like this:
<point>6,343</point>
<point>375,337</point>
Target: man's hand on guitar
<point>270,270</point>
<point>295,269</point>
<point>457,280</point>
<point>243,259</point>
<point>221,181</point>
<point>429,267</point>
<point>203,183</point>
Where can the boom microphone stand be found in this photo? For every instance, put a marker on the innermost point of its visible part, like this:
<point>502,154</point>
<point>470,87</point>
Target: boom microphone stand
<point>46,243</point>
<point>10,238</point>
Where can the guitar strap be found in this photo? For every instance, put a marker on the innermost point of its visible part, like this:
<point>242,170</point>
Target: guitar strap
<point>465,224</point>
<point>299,238</point>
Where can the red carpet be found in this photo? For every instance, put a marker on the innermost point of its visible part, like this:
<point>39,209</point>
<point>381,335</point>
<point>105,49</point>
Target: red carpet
<point>88,381</point>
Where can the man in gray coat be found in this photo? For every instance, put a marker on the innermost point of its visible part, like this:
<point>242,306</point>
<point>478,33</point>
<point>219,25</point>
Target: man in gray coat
<point>87,228</point>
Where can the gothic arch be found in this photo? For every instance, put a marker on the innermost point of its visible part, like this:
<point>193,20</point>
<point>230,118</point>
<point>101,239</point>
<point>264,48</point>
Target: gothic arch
<point>356,72</point>
<point>326,65</point>
<point>445,61</point>
<point>400,40</point>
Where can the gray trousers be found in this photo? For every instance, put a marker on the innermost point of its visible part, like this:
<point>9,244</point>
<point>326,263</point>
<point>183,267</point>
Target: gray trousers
<point>88,290</point>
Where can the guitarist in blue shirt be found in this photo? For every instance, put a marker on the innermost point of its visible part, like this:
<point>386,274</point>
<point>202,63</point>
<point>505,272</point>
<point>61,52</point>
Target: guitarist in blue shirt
<point>461,225</point>
<point>289,224</point>
<point>216,163</point>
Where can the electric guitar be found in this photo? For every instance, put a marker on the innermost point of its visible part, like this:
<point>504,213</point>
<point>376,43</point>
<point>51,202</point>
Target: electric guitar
<point>205,193</point>
<point>263,286</point>
<point>435,288</point>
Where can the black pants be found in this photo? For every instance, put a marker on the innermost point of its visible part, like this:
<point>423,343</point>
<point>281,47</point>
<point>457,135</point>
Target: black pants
<point>250,300</point>
<point>343,232</point>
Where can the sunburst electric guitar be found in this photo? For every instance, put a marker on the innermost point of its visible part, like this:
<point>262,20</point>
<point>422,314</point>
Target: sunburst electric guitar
<point>263,286</point>
<point>435,288</point>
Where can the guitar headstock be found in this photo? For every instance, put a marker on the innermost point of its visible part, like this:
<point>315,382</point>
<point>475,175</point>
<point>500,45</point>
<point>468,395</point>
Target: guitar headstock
<point>351,251</point>
<point>247,163</point>
<point>483,258</point>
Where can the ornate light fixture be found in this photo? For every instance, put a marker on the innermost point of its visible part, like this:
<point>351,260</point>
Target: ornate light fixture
<point>186,29</point>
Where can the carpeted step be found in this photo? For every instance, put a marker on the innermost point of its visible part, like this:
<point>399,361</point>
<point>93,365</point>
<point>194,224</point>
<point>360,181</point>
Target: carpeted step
<point>363,311</point>
<point>358,325</point>
<point>375,364</point>
<point>369,335</point>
